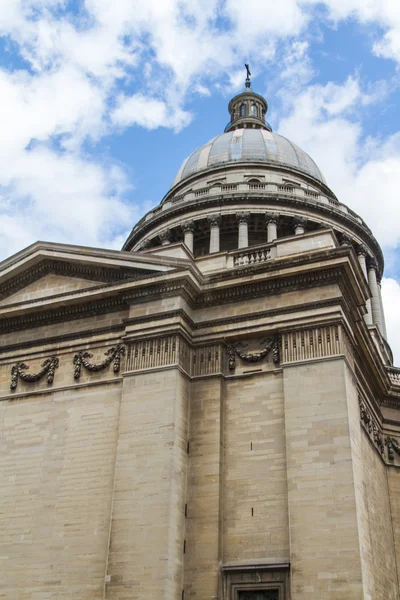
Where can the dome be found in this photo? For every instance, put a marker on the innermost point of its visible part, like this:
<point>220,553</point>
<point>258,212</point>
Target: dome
<point>249,145</point>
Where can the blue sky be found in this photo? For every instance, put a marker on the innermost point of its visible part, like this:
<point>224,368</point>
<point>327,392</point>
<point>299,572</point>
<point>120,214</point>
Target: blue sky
<point>101,101</point>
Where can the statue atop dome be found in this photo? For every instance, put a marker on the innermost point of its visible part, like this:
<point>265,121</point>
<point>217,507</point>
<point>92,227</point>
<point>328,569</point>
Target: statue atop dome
<point>248,81</point>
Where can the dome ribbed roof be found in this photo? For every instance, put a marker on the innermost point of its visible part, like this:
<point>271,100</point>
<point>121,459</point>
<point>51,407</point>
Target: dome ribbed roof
<point>248,145</point>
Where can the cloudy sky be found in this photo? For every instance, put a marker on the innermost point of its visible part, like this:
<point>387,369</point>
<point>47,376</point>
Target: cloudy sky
<point>101,101</point>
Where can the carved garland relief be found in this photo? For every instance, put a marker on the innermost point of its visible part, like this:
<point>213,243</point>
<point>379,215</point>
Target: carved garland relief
<point>18,371</point>
<point>237,350</point>
<point>113,355</point>
<point>373,429</point>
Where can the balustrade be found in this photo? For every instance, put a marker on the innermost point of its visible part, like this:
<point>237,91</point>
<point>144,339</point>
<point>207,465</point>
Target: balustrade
<point>257,255</point>
<point>394,376</point>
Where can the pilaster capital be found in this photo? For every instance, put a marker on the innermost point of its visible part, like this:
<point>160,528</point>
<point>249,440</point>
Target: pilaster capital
<point>187,226</point>
<point>214,220</point>
<point>242,217</point>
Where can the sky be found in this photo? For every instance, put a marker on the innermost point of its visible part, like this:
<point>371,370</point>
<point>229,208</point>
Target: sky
<point>101,101</point>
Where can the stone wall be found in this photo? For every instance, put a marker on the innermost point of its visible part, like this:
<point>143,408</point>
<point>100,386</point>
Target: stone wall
<point>147,532</point>
<point>56,479</point>
<point>255,519</point>
<point>324,544</point>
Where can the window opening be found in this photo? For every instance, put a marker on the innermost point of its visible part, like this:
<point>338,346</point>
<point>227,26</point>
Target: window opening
<point>254,110</point>
<point>242,110</point>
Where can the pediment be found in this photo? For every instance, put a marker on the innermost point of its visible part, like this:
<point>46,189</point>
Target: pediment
<point>47,286</point>
<point>51,270</point>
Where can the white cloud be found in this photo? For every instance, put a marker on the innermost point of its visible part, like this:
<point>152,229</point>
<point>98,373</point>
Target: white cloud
<point>148,113</point>
<point>386,13</point>
<point>364,173</point>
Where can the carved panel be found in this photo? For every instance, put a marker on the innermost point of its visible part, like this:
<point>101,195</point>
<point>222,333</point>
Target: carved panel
<point>313,343</point>
<point>148,354</point>
<point>207,360</point>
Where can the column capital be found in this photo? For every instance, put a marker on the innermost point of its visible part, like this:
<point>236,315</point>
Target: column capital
<point>187,226</point>
<point>145,244</point>
<point>271,218</point>
<point>346,240</point>
<point>242,217</point>
<point>165,236</point>
<point>373,264</point>
<point>214,220</point>
<point>362,250</point>
<point>300,222</point>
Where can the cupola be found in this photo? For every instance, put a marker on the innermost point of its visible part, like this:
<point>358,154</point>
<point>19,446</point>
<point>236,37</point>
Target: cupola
<point>248,109</point>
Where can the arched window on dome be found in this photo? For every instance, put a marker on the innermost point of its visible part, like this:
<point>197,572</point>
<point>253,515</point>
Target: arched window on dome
<point>243,110</point>
<point>254,110</point>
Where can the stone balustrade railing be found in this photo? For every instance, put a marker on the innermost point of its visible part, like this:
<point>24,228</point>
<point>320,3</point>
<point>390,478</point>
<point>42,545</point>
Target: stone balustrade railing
<point>251,256</point>
<point>394,376</point>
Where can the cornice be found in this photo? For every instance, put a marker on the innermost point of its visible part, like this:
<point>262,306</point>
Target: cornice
<point>58,339</point>
<point>273,285</point>
<point>232,319</point>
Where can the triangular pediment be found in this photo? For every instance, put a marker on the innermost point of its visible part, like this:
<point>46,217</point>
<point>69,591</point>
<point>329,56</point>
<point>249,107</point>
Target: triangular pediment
<point>47,286</point>
<point>45,271</point>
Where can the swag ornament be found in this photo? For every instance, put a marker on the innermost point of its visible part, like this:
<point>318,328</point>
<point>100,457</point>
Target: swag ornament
<point>238,350</point>
<point>113,354</point>
<point>18,371</point>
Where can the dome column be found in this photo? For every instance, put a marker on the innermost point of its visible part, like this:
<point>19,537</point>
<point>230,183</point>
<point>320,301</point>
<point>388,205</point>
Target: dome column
<point>214,223</point>
<point>362,259</point>
<point>375,300</point>
<point>188,232</point>
<point>299,226</point>
<point>383,331</point>
<point>243,230</point>
<point>272,227</point>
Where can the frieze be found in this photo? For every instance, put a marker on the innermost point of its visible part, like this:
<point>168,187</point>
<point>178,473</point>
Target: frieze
<point>113,355</point>
<point>18,371</point>
<point>237,350</point>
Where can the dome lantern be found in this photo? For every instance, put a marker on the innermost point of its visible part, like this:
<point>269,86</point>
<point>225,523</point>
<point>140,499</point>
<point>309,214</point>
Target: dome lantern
<point>248,109</point>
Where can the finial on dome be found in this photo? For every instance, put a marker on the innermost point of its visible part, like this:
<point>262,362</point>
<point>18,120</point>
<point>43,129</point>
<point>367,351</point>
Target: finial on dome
<point>248,82</point>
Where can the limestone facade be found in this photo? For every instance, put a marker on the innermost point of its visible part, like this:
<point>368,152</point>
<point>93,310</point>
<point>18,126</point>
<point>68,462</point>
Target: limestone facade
<point>198,426</point>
